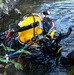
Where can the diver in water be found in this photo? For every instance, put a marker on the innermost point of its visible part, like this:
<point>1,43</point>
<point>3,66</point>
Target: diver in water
<point>51,44</point>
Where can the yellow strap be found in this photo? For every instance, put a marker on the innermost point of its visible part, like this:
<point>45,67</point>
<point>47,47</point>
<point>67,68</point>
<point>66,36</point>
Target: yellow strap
<point>59,49</point>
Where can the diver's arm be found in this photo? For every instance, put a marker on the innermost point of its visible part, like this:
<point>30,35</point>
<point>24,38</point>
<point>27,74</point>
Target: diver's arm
<point>65,35</point>
<point>59,36</point>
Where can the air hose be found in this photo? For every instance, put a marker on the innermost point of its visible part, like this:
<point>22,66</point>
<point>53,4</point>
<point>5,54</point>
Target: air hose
<point>16,52</point>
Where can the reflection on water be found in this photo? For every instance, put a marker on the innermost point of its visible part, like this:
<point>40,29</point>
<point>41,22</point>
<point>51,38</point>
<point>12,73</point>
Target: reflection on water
<point>62,13</point>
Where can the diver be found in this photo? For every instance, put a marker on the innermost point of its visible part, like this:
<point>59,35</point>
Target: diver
<point>51,44</point>
<point>48,45</point>
<point>47,22</point>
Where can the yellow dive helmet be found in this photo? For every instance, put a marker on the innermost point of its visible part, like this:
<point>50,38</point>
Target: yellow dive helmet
<point>28,34</point>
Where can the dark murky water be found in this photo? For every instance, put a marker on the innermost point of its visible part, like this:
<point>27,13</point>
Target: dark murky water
<point>62,13</point>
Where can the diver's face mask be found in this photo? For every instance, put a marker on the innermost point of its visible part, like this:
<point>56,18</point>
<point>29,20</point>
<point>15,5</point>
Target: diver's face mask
<point>47,24</point>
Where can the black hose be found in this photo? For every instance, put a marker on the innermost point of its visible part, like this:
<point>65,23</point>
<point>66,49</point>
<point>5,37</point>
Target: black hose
<point>29,13</point>
<point>27,27</point>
